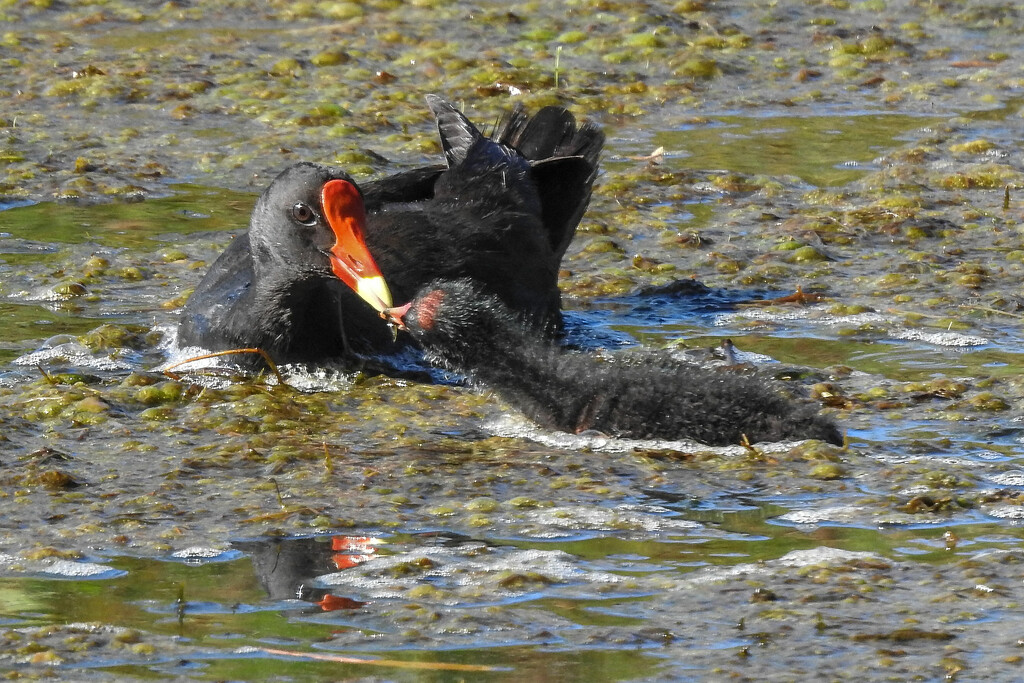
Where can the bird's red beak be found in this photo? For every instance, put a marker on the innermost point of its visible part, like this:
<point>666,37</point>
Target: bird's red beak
<point>350,259</point>
<point>395,315</point>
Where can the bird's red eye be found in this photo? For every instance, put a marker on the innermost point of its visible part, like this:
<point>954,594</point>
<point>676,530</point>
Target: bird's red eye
<point>303,214</point>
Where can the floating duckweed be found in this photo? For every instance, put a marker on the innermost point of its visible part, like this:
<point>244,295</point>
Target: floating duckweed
<point>712,42</point>
<point>989,178</point>
<point>479,521</point>
<point>603,246</point>
<point>807,254</point>
<point>892,280</point>
<point>874,44</point>
<point>521,580</point>
<point>286,67</point>
<point>1015,255</point>
<point>322,114</point>
<point>340,11</point>
<point>944,387</point>
<point>739,41</point>
<point>83,165</point>
<point>482,504</point>
<point>47,408</point>
<point>331,57</point>
<point>827,471</point>
<point>164,392</point>
<point>110,337</point>
<point>170,255</point>
<point>91,404</point>
<point>988,402</point>
<point>158,414</point>
<point>353,157</point>
<point>972,147</point>
<point>56,480</point>
<point>70,290</point>
<point>322,522</point>
<point>137,379</point>
<point>643,40</point>
<point>33,648</point>
<point>570,37</point>
<point>73,378</point>
<point>916,232</point>
<point>689,7</point>
<point>127,636</point>
<point>144,649</point>
<point>619,57</point>
<point>874,394</point>
<point>729,266</point>
<point>828,393</point>
<point>49,552</point>
<point>540,34</point>
<point>95,267</point>
<point>410,568</point>
<point>698,68</point>
<point>816,450</point>
<point>734,182</point>
<point>952,324</point>
<point>132,273</point>
<point>849,309</point>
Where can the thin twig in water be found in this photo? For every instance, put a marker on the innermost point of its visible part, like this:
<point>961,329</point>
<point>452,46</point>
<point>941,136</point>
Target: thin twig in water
<point>987,309</point>
<point>328,461</point>
<point>280,498</point>
<point>558,61</point>
<point>656,156</point>
<point>47,376</point>
<point>169,370</point>
<point>896,311</point>
<point>432,666</point>
<point>798,297</point>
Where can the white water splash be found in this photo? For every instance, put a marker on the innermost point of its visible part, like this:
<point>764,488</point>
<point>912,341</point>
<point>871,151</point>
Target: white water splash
<point>518,427</point>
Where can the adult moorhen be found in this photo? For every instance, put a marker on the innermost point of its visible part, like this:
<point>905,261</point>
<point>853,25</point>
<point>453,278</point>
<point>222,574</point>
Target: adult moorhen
<point>502,211</point>
<point>272,288</point>
<point>644,395</point>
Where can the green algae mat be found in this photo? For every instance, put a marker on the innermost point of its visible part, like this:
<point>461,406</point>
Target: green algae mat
<point>845,178</point>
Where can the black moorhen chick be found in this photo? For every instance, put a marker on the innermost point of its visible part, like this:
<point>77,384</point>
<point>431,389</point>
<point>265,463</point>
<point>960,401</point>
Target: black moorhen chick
<point>502,212</point>
<point>643,395</point>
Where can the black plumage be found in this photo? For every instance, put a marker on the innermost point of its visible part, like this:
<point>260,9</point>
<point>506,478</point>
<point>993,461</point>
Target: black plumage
<point>640,395</point>
<point>501,211</point>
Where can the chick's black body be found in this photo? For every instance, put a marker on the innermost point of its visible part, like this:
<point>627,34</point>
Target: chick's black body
<point>502,212</point>
<point>638,395</point>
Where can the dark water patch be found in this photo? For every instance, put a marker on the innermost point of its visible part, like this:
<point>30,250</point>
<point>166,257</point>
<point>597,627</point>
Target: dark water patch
<point>189,209</point>
<point>27,324</point>
<point>14,251</point>
<point>677,309</point>
<point>203,619</point>
<point>13,203</point>
<point>740,573</point>
<point>823,151</point>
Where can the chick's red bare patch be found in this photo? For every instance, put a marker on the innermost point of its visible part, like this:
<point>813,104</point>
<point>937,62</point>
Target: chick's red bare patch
<point>427,308</point>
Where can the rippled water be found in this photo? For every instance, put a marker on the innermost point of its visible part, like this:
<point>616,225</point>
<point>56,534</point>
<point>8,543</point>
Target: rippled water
<point>571,588</point>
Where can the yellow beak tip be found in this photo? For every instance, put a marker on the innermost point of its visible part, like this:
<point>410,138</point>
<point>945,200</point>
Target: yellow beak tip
<point>374,291</point>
